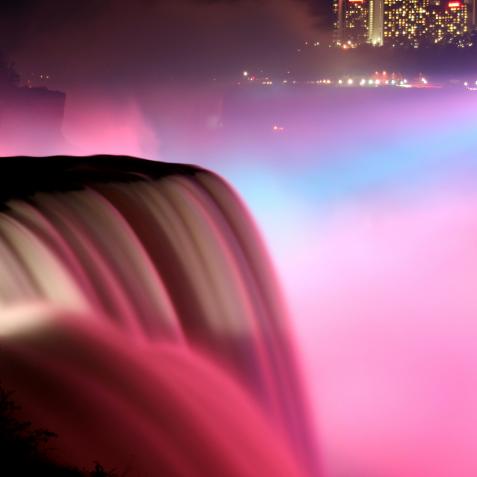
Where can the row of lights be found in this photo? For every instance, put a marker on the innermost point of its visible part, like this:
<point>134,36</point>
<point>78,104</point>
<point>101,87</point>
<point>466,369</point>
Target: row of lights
<point>350,81</point>
<point>377,82</point>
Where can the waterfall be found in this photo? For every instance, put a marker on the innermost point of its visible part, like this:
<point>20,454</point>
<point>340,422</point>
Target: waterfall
<point>141,320</point>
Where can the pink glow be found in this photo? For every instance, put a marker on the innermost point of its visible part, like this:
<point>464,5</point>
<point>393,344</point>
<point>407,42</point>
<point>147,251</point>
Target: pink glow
<point>147,410</point>
<point>108,127</point>
<point>372,232</point>
<point>389,335</point>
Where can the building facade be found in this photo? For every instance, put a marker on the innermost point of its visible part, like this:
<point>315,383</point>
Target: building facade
<point>450,22</point>
<point>404,23</point>
<point>356,21</point>
<point>376,22</point>
<point>351,22</point>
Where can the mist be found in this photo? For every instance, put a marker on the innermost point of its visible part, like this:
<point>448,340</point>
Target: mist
<point>365,198</point>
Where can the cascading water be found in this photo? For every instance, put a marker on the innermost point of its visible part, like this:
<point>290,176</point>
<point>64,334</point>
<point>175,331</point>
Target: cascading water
<point>140,319</point>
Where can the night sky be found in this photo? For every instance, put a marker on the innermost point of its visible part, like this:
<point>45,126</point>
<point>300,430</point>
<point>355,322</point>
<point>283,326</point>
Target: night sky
<point>119,42</point>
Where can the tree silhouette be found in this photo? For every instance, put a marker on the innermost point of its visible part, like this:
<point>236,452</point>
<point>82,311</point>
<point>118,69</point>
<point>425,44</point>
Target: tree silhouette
<point>22,448</point>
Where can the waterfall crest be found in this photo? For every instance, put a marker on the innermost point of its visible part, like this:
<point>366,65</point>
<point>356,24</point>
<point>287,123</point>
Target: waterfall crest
<point>137,300</point>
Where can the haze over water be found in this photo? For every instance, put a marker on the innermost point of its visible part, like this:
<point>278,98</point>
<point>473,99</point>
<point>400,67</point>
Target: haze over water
<point>366,199</point>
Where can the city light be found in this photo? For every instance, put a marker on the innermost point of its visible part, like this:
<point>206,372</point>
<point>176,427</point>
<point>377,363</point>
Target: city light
<point>412,23</point>
<point>377,79</point>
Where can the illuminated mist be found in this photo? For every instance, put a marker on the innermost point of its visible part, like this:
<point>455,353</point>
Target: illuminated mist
<point>367,202</point>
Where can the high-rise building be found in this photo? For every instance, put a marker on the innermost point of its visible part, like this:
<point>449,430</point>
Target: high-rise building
<point>409,23</point>
<point>473,15</point>
<point>338,24</point>
<point>376,22</point>
<point>405,22</point>
<point>449,22</point>
<point>351,22</point>
<point>357,21</point>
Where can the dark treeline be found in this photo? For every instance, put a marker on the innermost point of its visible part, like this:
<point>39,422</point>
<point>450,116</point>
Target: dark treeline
<point>24,449</point>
